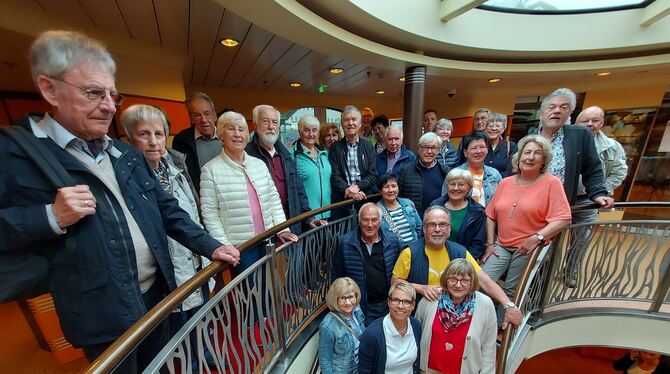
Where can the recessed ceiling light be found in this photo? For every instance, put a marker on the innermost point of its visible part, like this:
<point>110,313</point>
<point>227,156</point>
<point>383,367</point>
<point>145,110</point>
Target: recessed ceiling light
<point>603,74</point>
<point>380,92</point>
<point>495,80</point>
<point>229,42</point>
<point>336,70</point>
<point>295,84</point>
<point>402,79</point>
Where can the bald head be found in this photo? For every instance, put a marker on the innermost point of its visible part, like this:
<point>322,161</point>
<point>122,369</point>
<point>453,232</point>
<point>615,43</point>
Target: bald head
<point>592,117</point>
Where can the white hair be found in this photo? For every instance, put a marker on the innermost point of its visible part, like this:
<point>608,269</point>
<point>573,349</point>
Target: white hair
<point>429,137</point>
<point>140,113</point>
<point>564,92</point>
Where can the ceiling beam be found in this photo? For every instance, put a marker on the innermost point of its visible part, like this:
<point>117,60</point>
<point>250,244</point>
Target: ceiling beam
<point>654,12</point>
<point>450,9</point>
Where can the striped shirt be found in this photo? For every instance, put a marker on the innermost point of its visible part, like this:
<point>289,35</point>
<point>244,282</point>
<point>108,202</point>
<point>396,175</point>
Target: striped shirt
<point>401,223</point>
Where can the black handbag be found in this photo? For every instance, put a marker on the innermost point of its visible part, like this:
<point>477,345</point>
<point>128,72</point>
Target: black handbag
<point>23,273</point>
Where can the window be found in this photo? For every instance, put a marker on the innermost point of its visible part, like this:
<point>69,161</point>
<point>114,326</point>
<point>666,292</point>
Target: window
<point>562,6</point>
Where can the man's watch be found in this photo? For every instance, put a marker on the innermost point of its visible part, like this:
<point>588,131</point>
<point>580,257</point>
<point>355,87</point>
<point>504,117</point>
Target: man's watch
<point>510,305</point>
<point>539,236</point>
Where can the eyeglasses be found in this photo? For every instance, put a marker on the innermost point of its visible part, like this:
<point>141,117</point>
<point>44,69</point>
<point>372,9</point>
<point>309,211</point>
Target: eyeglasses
<point>96,94</point>
<point>433,225</point>
<point>429,147</point>
<point>494,125</point>
<point>344,299</point>
<point>398,302</point>
<point>460,186</point>
<point>464,282</point>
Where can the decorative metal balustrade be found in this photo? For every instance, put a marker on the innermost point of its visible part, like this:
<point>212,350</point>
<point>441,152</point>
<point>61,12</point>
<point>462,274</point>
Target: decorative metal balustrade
<point>250,323</point>
<point>605,265</point>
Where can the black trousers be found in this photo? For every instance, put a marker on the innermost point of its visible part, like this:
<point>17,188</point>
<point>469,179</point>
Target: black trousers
<point>147,350</point>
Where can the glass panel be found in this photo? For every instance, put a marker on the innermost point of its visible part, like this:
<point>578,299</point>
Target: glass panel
<point>334,116</point>
<point>561,6</point>
<point>288,124</point>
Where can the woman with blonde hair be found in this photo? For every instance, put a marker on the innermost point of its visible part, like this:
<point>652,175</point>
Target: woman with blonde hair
<point>341,329</point>
<point>460,324</point>
<point>328,134</point>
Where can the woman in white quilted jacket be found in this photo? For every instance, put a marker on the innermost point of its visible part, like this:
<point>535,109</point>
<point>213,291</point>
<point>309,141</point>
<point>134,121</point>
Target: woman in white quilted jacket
<point>238,198</point>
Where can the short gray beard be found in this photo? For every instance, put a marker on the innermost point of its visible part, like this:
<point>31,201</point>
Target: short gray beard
<point>268,139</point>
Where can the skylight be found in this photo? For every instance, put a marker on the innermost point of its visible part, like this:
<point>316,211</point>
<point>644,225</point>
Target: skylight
<point>562,6</point>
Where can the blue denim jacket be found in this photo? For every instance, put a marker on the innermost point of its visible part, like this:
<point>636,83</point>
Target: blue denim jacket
<point>338,347</point>
<point>411,214</point>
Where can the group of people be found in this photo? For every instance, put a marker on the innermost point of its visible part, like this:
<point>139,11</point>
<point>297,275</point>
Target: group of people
<point>144,218</point>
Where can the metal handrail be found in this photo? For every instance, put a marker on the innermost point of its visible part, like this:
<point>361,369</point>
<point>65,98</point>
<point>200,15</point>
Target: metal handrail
<point>124,345</point>
<point>529,273</point>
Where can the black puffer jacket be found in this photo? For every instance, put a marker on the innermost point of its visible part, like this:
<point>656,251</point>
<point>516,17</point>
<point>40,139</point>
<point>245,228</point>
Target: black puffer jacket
<point>410,183</point>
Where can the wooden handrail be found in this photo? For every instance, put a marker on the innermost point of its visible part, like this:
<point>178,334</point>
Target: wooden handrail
<point>113,355</point>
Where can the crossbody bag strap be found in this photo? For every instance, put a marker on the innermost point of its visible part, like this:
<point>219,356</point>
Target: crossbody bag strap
<point>388,219</point>
<point>340,320</point>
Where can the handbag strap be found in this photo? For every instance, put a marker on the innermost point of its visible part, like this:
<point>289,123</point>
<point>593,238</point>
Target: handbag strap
<point>388,219</point>
<point>340,320</point>
<point>40,155</point>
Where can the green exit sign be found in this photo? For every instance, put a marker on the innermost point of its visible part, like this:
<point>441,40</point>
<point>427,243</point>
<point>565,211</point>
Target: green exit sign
<point>321,89</point>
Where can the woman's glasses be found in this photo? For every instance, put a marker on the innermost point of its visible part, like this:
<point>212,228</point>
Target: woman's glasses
<point>398,302</point>
<point>349,298</point>
<point>464,282</point>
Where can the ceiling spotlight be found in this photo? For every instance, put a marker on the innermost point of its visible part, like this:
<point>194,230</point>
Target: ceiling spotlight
<point>336,70</point>
<point>380,92</point>
<point>295,84</point>
<point>603,74</point>
<point>229,42</point>
<point>495,80</point>
<point>402,79</point>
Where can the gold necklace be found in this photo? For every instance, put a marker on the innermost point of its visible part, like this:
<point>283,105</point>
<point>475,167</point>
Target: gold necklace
<point>516,196</point>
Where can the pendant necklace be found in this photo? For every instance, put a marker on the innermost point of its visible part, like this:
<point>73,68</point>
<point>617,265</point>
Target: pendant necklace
<point>516,196</point>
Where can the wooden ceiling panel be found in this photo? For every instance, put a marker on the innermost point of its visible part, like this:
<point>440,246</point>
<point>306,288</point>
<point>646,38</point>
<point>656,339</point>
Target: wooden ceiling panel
<point>205,21</point>
<point>254,44</point>
<point>69,10</point>
<point>141,20</point>
<point>285,63</point>
<point>277,47</point>
<point>172,18</point>
<point>349,75</point>
<point>301,67</point>
<point>231,26</point>
<point>187,71</point>
<point>318,72</point>
<point>106,16</point>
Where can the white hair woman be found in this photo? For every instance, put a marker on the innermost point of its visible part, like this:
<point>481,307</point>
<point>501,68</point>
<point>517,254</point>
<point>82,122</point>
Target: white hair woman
<point>312,164</point>
<point>448,156</point>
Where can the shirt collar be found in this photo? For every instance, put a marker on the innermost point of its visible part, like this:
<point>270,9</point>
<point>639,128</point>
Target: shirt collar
<point>49,127</point>
<point>198,135</point>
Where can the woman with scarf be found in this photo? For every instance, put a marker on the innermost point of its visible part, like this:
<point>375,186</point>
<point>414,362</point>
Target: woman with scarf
<point>460,324</point>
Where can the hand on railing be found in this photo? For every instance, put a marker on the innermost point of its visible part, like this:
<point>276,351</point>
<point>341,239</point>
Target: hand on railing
<point>605,202</point>
<point>227,253</point>
<point>287,236</point>
<point>512,315</point>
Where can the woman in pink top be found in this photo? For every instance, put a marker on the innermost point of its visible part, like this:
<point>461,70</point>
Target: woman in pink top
<point>527,209</point>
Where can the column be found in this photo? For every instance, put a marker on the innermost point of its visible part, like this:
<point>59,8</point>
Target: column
<point>415,80</point>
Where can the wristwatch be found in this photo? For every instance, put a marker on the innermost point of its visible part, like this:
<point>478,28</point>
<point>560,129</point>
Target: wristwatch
<point>539,236</point>
<point>510,304</point>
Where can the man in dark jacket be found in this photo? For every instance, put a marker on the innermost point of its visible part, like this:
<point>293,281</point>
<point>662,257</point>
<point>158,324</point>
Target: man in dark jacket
<point>353,161</point>
<point>105,237</point>
<point>367,255</point>
<point>421,181</point>
<point>198,142</point>
<point>396,156</point>
<point>423,262</point>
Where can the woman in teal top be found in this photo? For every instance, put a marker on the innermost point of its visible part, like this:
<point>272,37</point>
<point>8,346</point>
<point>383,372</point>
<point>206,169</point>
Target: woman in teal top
<point>312,164</point>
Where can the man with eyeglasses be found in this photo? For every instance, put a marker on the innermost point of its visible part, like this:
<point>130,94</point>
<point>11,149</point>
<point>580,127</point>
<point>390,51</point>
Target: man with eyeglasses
<point>104,238</point>
<point>367,255</point>
<point>424,260</point>
<point>199,142</point>
<point>421,180</point>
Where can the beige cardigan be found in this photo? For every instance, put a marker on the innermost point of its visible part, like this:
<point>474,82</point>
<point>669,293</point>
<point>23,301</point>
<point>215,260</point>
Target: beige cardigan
<point>479,355</point>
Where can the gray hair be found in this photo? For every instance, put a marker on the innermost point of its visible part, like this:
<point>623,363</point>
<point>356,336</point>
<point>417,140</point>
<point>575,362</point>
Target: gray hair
<point>564,92</point>
<point>256,112</point>
<point>201,96</point>
<point>482,110</point>
<point>429,137</point>
<point>396,126</point>
<point>308,120</point>
<point>461,174</point>
<point>403,286</point>
<point>137,113</point>
<point>537,139</point>
<point>460,266</point>
<point>226,118</point>
<point>56,52</point>
<point>444,123</point>
<point>351,108</point>
<point>498,117</point>
<point>367,205</point>
<point>435,207</point>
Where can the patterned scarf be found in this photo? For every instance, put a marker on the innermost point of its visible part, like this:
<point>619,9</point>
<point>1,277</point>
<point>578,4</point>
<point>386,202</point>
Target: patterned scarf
<point>163,175</point>
<point>451,317</point>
